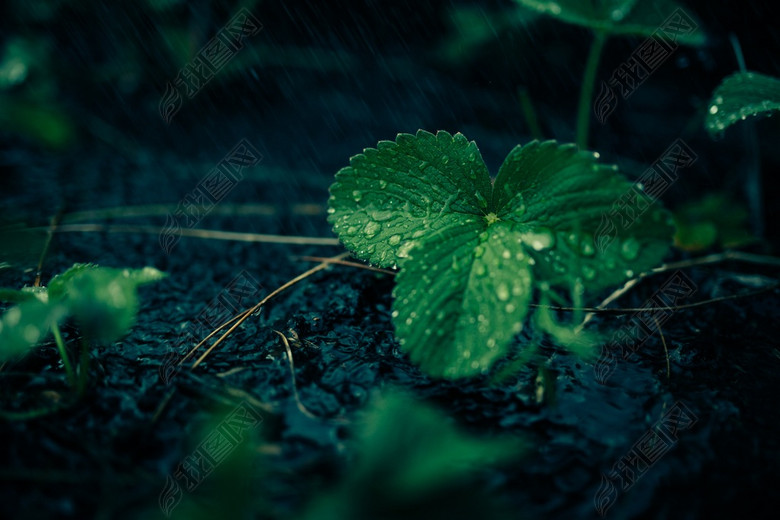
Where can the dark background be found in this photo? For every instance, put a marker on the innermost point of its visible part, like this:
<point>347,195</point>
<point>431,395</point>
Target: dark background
<point>319,83</point>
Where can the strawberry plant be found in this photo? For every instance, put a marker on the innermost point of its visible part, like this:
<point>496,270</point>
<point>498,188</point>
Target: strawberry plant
<point>472,250</point>
<point>102,301</point>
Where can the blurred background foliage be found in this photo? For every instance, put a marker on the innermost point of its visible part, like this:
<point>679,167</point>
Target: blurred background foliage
<point>73,74</point>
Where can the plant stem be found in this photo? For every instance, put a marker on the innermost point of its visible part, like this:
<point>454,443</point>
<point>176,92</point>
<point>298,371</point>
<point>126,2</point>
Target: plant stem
<point>63,354</point>
<point>586,92</point>
<point>83,367</point>
<point>529,113</point>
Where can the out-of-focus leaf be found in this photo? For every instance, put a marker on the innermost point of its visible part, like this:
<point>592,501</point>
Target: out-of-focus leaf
<point>716,219</point>
<point>472,26</point>
<point>414,463</point>
<point>58,285</point>
<point>45,123</point>
<point>626,17</point>
<point>14,296</point>
<point>27,324</point>
<point>102,299</point>
<point>740,96</point>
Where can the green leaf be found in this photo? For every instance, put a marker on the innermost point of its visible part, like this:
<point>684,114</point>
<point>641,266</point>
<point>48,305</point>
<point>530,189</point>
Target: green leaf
<point>462,297</point>
<point>102,299</point>
<point>416,448</point>
<point>582,342</point>
<point>714,219</point>
<point>390,196</point>
<point>58,285</point>
<point>558,198</point>
<point>14,296</point>
<point>413,462</point>
<point>740,96</point>
<point>626,17</point>
<point>468,259</point>
<point>27,324</point>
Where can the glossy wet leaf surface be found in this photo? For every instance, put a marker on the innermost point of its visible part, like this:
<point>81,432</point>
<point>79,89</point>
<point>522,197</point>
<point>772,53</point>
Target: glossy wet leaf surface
<point>470,251</point>
<point>740,96</point>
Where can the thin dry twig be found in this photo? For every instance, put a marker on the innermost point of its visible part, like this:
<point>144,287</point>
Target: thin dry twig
<point>297,397</point>
<point>246,314</point>
<point>209,234</point>
<point>666,349</point>
<point>53,223</point>
<point>156,210</point>
<point>346,263</point>
<point>717,258</point>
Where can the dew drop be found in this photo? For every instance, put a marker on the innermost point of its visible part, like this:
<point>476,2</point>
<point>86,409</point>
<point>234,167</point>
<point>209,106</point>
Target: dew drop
<point>382,184</point>
<point>630,249</point>
<point>587,246</point>
<point>357,195</point>
<point>502,292</point>
<point>403,251</point>
<point>372,228</point>
<point>588,272</point>
<point>382,215</point>
<point>540,239</point>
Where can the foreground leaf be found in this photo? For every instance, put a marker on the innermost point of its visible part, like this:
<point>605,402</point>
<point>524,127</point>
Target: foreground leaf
<point>413,463</point>
<point>740,96</point>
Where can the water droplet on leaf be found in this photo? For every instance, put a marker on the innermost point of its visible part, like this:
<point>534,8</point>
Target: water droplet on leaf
<point>630,249</point>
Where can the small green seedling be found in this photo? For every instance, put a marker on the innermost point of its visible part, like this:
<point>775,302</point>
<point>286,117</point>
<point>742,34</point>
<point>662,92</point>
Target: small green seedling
<point>471,250</point>
<point>102,300</point>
